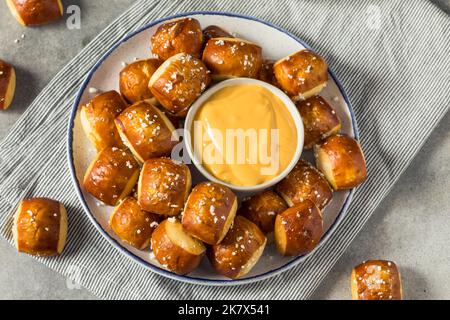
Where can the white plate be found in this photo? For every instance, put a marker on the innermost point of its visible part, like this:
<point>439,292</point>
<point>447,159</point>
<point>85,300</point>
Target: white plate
<point>276,44</point>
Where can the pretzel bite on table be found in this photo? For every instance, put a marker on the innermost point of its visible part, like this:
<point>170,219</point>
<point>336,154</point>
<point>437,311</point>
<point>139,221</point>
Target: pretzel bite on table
<point>376,280</point>
<point>305,182</point>
<point>232,57</point>
<point>7,84</point>
<point>341,160</point>
<point>40,227</point>
<point>35,12</point>
<point>112,175</point>
<point>182,35</point>
<point>97,119</point>
<point>146,131</point>
<point>209,212</point>
<point>239,251</point>
<point>302,74</point>
<point>134,78</point>
<point>319,119</point>
<point>164,186</point>
<point>215,32</point>
<point>175,249</point>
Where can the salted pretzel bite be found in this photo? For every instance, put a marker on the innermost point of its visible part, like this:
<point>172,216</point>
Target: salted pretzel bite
<point>232,57</point>
<point>164,186</point>
<point>305,182</point>
<point>298,229</point>
<point>302,74</point>
<point>177,36</point>
<point>341,160</point>
<point>266,73</point>
<point>146,131</point>
<point>175,249</point>
<point>376,280</point>
<point>97,119</point>
<point>35,12</point>
<point>239,251</point>
<point>134,78</point>
<point>214,32</point>
<point>112,175</point>
<point>40,227</point>
<point>319,120</point>
<point>209,212</point>
<point>178,82</point>
<point>7,84</point>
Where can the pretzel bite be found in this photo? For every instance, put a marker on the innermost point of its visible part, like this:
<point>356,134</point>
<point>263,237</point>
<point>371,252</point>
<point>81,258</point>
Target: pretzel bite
<point>175,249</point>
<point>182,35</point>
<point>319,119</point>
<point>302,74</point>
<point>97,120</point>
<point>232,57</point>
<point>40,227</point>
<point>209,212</point>
<point>134,78</point>
<point>35,12</point>
<point>7,84</point>
<point>305,182</point>
<point>178,82</point>
<point>376,280</point>
<point>215,32</point>
<point>262,210</point>
<point>298,229</point>
<point>112,175</point>
<point>341,160</point>
<point>266,73</point>
<point>164,186</point>
<point>146,131</point>
<point>239,251</point>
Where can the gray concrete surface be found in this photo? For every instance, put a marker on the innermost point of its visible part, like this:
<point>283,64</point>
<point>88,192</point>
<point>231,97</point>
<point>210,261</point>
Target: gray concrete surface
<point>411,227</point>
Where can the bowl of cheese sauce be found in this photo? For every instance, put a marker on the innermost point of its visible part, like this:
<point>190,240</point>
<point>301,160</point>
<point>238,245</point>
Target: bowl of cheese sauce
<point>245,134</point>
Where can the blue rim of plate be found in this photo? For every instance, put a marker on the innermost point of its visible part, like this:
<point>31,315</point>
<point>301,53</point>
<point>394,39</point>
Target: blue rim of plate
<point>163,272</point>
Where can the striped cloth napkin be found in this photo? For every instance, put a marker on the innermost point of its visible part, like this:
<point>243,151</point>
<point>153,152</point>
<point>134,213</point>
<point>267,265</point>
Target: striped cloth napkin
<point>393,59</point>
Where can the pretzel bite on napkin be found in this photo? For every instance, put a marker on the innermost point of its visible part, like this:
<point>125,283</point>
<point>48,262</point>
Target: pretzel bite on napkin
<point>146,131</point>
<point>305,182</point>
<point>215,32</point>
<point>209,212</point>
<point>239,251</point>
<point>40,227</point>
<point>164,186</point>
<point>7,84</point>
<point>175,249</point>
<point>97,119</point>
<point>302,74</point>
<point>341,160</point>
<point>319,119</point>
<point>298,229</point>
<point>112,175</point>
<point>376,280</point>
<point>177,36</point>
<point>232,57</point>
<point>35,12</point>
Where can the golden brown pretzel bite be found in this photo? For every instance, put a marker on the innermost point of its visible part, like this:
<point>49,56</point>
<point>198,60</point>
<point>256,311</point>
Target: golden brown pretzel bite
<point>175,249</point>
<point>112,175</point>
<point>40,227</point>
<point>376,280</point>
<point>214,32</point>
<point>209,212</point>
<point>146,131</point>
<point>7,84</point>
<point>34,12</point>
<point>178,82</point>
<point>305,182</point>
<point>97,119</point>
<point>164,186</point>
<point>341,160</point>
<point>302,74</point>
<point>239,251</point>
<point>298,229</point>
<point>232,57</point>
<point>134,78</point>
<point>319,119</point>
<point>182,35</point>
